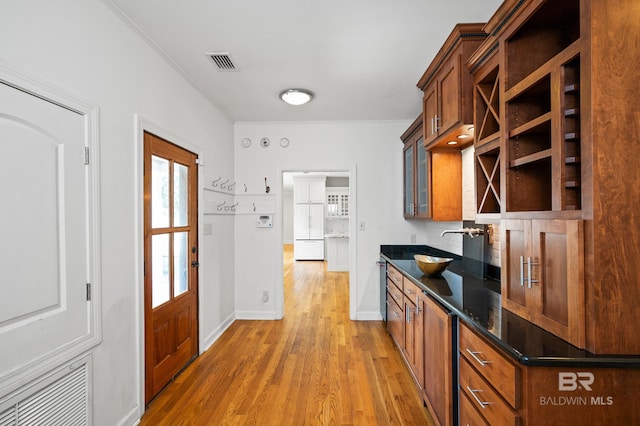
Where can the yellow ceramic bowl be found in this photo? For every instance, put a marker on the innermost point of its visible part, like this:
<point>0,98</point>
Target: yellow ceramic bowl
<point>432,265</point>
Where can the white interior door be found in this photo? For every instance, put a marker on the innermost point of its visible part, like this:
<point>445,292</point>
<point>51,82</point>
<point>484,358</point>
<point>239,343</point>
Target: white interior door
<point>44,230</point>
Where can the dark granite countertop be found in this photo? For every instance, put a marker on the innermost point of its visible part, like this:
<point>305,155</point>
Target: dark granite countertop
<point>476,301</point>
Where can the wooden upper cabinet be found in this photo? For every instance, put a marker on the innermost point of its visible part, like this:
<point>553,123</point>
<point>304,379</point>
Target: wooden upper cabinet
<point>542,274</point>
<point>416,193</point>
<point>447,86</point>
<point>432,179</point>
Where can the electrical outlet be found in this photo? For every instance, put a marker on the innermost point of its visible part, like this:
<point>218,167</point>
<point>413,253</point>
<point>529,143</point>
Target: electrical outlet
<point>265,296</point>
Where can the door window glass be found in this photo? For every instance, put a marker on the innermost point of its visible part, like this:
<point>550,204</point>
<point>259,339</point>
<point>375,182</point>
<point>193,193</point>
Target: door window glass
<point>180,263</point>
<point>159,192</point>
<point>180,194</point>
<point>160,292</point>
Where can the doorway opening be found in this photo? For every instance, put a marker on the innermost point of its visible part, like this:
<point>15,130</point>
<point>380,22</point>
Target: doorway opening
<point>318,223</point>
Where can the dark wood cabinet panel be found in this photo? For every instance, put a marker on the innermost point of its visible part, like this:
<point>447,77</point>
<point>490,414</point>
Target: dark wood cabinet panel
<point>438,368</point>
<point>565,106</point>
<point>542,274</point>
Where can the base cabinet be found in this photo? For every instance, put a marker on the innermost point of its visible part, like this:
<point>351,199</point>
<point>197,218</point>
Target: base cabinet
<point>395,306</point>
<point>469,415</point>
<point>438,365</point>
<point>489,380</point>
<point>414,331</point>
<point>494,390</point>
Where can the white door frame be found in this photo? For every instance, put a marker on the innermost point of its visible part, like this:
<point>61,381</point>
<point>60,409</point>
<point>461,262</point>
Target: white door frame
<point>143,125</point>
<point>353,237</point>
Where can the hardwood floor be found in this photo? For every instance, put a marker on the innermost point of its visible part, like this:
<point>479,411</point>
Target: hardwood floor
<point>314,367</point>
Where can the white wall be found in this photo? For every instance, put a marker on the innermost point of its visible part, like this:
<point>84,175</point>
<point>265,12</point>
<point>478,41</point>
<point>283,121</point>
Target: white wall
<point>81,47</point>
<point>287,217</point>
<point>375,150</point>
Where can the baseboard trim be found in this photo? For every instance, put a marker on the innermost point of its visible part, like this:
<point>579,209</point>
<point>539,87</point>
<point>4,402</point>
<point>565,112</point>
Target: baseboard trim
<point>256,315</point>
<point>215,334</point>
<point>130,419</point>
<point>368,316</point>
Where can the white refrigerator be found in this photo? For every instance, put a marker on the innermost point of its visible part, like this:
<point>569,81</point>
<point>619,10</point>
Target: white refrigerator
<point>308,232</point>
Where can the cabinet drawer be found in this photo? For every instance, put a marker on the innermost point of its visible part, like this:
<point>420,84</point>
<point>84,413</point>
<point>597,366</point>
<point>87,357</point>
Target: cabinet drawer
<point>394,275</point>
<point>395,320</point>
<point>469,416</point>
<point>395,292</point>
<point>411,290</point>
<point>483,397</point>
<point>495,368</point>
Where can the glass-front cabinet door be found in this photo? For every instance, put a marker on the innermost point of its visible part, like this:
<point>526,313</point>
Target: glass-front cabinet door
<point>416,192</point>
<point>409,195</point>
<point>422,198</point>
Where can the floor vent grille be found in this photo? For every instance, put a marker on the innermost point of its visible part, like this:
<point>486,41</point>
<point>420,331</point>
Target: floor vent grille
<point>59,399</point>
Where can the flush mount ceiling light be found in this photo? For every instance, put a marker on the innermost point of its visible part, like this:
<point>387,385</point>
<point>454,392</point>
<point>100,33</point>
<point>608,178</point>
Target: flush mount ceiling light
<point>296,96</point>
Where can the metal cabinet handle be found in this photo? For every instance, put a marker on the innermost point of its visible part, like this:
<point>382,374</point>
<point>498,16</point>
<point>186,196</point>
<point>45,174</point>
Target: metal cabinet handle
<point>436,119</point>
<point>482,403</point>
<point>529,265</point>
<point>418,310</point>
<point>475,356</point>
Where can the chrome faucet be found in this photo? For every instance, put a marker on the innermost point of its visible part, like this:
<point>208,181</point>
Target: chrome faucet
<point>472,232</point>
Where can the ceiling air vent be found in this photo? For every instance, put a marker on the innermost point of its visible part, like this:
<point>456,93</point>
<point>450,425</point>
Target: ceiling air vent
<point>222,61</point>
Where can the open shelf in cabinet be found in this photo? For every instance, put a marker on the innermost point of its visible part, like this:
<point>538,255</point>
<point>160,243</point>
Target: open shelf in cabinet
<point>542,111</point>
<point>550,30</point>
<point>488,178</point>
<point>487,104</point>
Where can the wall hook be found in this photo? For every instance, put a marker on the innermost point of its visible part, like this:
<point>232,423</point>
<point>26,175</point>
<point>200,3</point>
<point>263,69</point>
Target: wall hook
<point>220,205</point>
<point>266,187</point>
<point>222,185</point>
<point>245,187</point>
<point>230,187</point>
<point>214,183</point>
<point>254,206</point>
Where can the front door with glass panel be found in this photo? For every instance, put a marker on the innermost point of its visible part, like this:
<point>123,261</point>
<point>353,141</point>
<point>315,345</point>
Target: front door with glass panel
<point>171,261</point>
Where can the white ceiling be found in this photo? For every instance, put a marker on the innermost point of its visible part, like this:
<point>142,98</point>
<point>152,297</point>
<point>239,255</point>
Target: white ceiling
<point>361,58</point>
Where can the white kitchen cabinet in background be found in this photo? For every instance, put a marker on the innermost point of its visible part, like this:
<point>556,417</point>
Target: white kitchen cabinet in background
<point>337,254</point>
<point>309,190</point>
<point>338,202</point>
